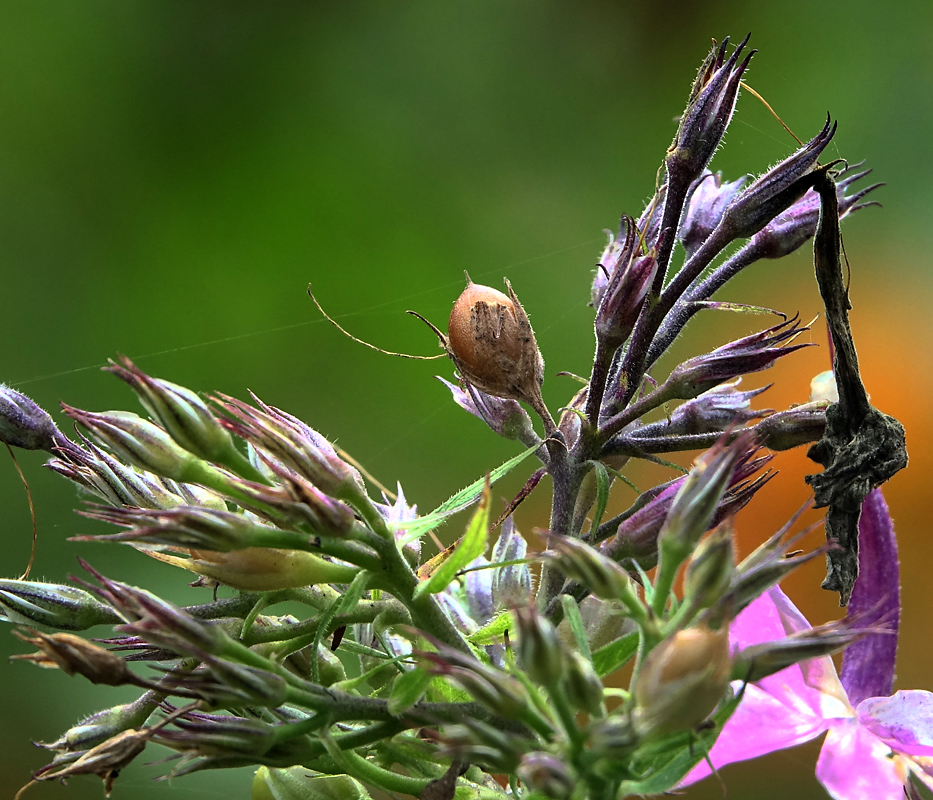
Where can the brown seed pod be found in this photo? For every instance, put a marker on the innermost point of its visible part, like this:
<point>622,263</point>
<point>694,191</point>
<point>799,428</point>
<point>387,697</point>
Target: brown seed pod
<point>490,340</point>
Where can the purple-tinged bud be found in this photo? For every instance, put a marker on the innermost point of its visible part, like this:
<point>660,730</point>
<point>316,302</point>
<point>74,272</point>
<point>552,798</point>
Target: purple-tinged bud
<point>538,649</point>
<point>681,681</point>
<point>283,438</point>
<point>761,660</point>
<point>193,528</point>
<point>140,442</point>
<point>752,353</point>
<point>777,190</point>
<point>698,498</point>
<point>56,606</point>
<point>106,760</point>
<point>636,538</point>
<point>711,567</point>
<point>215,734</point>
<point>24,424</point>
<point>708,113</point>
<point>717,409</point>
<point>158,621</point>
<point>104,725</point>
<point>586,565</point>
<point>547,774</point>
<point>512,584</point>
<point>704,212</point>
<point>622,301</point>
<point>582,685</point>
<point>224,683</point>
<point>483,744</point>
<point>185,417</point>
<point>74,655</point>
<point>613,738</point>
<point>504,417</point>
<point>792,228</point>
<point>785,430</point>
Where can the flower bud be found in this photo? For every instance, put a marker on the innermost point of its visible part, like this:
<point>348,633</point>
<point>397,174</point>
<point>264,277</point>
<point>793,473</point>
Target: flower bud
<point>710,569</point>
<point>681,681</point>
<point>504,417</point>
<point>512,584</point>
<point>24,424</point>
<point>582,685</point>
<point>708,113</point>
<point>799,425</point>
<point>140,442</point>
<point>545,773</point>
<point>777,190</point>
<point>104,725</point>
<point>586,565</point>
<point>186,418</point>
<point>622,301</point>
<point>749,354</point>
<point>708,201</point>
<point>699,496</point>
<point>53,605</point>
<point>72,654</point>
<point>538,649</point>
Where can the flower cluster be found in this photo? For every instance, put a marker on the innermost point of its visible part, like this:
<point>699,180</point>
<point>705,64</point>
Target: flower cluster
<point>481,671</point>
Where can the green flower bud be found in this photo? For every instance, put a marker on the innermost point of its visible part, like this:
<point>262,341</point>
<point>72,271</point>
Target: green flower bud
<point>538,649</point>
<point>582,685</point>
<point>711,568</point>
<point>681,681</point>
<point>64,608</point>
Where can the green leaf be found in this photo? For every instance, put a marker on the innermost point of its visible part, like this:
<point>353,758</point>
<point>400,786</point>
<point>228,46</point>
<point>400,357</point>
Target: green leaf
<point>471,545</point>
<point>577,628</point>
<point>441,691</point>
<point>615,655</point>
<point>295,783</point>
<point>665,763</point>
<point>602,492</point>
<point>493,630</point>
<point>343,604</point>
<point>407,689</point>
<point>461,500</point>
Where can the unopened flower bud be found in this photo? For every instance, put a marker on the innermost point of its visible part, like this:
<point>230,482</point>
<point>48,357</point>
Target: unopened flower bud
<point>613,738</point>
<point>104,725</point>
<point>504,417</point>
<point>512,584</point>
<point>65,608</point>
<point>24,424</point>
<point>586,565</point>
<point>74,655</point>
<point>710,569</point>
<point>708,113</point>
<point>582,685</point>
<point>140,442</point>
<point>186,418</point>
<point>708,201</point>
<point>545,773</point>
<point>777,190</point>
<point>622,301</point>
<point>761,660</point>
<point>681,681</point>
<point>538,650</point>
<point>699,496</point>
<point>749,354</point>
<point>799,425</point>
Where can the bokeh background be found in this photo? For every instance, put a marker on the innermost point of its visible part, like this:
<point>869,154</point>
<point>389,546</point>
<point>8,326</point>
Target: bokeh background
<point>172,175</point>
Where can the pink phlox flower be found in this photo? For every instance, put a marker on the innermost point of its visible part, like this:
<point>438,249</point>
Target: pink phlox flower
<point>873,743</point>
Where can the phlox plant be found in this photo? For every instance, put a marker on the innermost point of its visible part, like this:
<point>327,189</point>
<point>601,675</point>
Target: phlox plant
<point>491,669</point>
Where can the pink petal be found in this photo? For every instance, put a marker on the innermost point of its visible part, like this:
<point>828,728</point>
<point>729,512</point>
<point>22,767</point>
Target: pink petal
<point>868,665</point>
<point>904,721</point>
<point>761,724</point>
<point>855,765</point>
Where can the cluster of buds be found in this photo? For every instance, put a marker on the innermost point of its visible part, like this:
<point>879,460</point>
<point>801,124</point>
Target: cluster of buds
<point>427,676</point>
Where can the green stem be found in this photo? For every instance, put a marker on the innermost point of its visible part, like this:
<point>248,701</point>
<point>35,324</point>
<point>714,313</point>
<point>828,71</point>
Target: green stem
<point>358,767</point>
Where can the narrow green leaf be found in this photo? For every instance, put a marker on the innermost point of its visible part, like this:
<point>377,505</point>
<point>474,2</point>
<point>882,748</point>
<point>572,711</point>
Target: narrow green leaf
<point>346,602</point>
<point>493,630</point>
<point>577,628</point>
<point>602,492</point>
<point>407,689</point>
<point>615,655</point>
<point>471,545</point>
<point>461,500</point>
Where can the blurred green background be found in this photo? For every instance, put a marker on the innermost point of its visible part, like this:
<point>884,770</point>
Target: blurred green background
<point>172,175</point>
